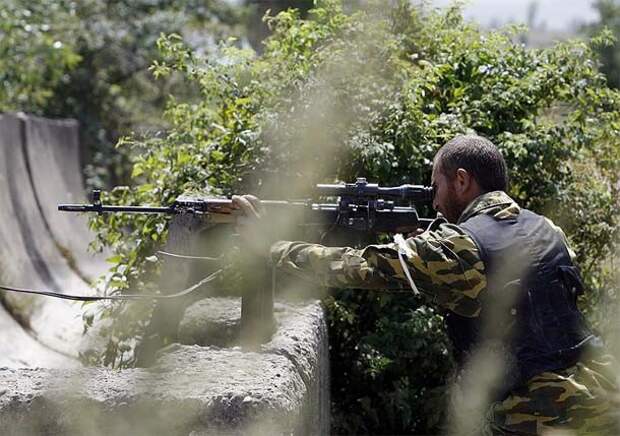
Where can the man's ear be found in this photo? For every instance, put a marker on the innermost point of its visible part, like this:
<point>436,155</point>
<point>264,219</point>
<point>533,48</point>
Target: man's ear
<point>462,181</point>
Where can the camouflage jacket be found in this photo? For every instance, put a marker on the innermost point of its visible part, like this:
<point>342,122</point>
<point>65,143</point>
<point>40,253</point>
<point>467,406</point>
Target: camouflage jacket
<point>445,265</point>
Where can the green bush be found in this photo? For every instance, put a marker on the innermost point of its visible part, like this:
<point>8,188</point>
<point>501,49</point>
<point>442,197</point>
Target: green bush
<point>609,22</point>
<point>89,60</point>
<point>375,93</point>
<point>36,49</point>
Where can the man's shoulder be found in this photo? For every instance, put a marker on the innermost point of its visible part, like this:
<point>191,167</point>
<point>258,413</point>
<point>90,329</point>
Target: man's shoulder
<point>497,204</point>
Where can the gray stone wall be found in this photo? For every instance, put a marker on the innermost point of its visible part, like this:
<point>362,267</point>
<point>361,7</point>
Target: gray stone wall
<point>281,388</point>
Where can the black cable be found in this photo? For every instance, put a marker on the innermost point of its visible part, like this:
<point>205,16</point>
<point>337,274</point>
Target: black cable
<point>185,291</point>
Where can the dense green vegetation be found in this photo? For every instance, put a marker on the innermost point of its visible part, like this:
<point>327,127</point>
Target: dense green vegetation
<point>379,91</point>
<point>90,60</point>
<point>374,93</point>
<point>609,21</point>
<point>30,71</point>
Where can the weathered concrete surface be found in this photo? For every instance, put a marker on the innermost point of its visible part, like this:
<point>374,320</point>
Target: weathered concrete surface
<point>204,390</point>
<point>301,337</point>
<point>53,158</point>
<point>18,349</point>
<point>31,258</point>
<point>216,390</point>
<point>211,321</point>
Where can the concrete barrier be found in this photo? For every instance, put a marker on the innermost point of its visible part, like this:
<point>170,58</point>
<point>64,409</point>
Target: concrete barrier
<point>53,159</point>
<point>31,258</point>
<point>283,388</point>
<point>206,383</point>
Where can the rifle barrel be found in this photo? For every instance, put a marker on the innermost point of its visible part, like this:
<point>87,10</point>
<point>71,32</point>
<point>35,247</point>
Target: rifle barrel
<point>99,208</point>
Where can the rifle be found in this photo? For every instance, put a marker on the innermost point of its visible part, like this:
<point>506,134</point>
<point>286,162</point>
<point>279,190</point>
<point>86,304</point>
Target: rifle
<point>361,210</point>
<point>360,206</point>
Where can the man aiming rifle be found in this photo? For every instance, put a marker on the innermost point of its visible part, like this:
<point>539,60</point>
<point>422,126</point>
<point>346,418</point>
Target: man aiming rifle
<point>504,277</point>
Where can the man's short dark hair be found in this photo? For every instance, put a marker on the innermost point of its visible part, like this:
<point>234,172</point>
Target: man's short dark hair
<point>479,157</point>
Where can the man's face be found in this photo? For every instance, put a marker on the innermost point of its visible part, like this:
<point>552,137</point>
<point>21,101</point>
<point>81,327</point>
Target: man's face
<point>446,199</point>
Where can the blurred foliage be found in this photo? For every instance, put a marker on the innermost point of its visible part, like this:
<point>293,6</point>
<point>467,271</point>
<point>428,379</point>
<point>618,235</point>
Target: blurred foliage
<point>111,91</point>
<point>89,60</point>
<point>36,49</point>
<point>609,53</point>
<point>257,29</point>
<point>373,92</point>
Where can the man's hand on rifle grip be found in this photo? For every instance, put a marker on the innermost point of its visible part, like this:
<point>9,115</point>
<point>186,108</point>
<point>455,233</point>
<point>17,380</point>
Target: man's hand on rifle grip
<point>250,223</point>
<point>249,205</point>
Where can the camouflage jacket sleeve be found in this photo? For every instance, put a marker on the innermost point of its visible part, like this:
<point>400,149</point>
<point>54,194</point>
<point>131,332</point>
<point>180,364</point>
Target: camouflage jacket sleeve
<point>444,264</point>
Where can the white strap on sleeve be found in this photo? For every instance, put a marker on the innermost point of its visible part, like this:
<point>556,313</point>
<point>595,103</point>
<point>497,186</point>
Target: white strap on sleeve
<point>402,250</point>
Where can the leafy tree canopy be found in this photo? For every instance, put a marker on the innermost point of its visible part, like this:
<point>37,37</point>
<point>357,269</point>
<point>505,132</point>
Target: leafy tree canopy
<point>36,49</point>
<point>89,60</point>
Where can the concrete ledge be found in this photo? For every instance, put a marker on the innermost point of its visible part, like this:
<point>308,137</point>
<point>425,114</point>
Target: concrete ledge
<point>211,321</point>
<point>280,389</point>
<point>302,337</point>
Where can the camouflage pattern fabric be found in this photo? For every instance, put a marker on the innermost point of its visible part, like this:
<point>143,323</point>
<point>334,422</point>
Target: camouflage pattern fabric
<point>578,400</point>
<point>446,267</point>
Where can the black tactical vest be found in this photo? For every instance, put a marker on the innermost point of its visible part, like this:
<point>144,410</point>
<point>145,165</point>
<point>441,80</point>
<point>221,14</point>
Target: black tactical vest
<point>529,305</point>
